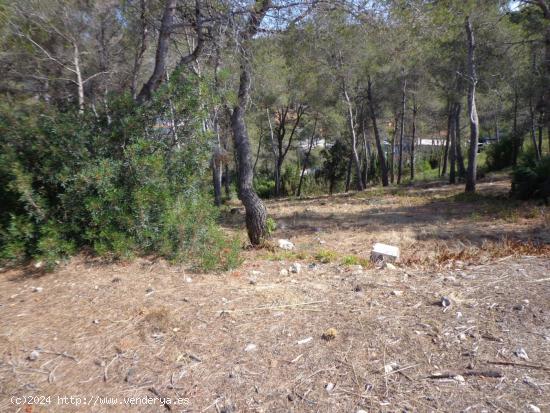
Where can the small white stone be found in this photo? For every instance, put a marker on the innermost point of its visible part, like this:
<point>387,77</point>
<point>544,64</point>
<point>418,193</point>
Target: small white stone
<point>296,268</point>
<point>533,408</point>
<point>390,266</point>
<point>285,244</point>
<point>188,280</point>
<point>388,368</point>
<point>305,340</point>
<point>37,289</point>
<point>397,293</point>
<point>34,355</point>
<point>329,387</point>
<point>39,264</point>
<point>283,272</point>
<point>460,379</point>
<point>521,353</point>
<point>250,347</point>
<point>445,302</point>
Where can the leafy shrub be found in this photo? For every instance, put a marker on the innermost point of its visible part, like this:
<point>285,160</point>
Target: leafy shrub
<point>531,179</point>
<point>125,184</point>
<point>500,155</point>
<point>265,187</point>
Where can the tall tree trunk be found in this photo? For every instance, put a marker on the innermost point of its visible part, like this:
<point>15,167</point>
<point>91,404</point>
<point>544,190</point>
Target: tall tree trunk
<point>348,173</point>
<point>471,176</point>
<point>161,54</point>
<point>413,139</point>
<point>217,171</point>
<point>256,212</point>
<point>540,130</point>
<point>306,159</point>
<point>515,131</point>
<point>392,155</point>
<point>366,154</point>
<point>79,81</point>
<point>402,132</point>
<point>459,155</point>
<point>380,150</point>
<point>448,140</point>
<point>532,129</point>
<point>452,148</point>
<point>138,57</point>
<point>354,155</point>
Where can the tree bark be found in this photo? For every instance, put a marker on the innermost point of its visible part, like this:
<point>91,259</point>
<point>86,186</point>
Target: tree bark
<point>380,150</point>
<point>256,213</point>
<point>452,147</point>
<point>354,154</point>
<point>471,176</point>
<point>161,54</point>
<point>306,159</point>
<point>402,132</point>
<point>138,57</point>
<point>413,143</point>
<point>459,155</point>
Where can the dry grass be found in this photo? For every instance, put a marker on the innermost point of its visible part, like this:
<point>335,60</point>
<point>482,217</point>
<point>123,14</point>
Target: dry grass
<point>331,338</point>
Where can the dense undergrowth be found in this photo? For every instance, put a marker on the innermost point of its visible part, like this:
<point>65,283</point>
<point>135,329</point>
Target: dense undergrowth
<point>125,181</point>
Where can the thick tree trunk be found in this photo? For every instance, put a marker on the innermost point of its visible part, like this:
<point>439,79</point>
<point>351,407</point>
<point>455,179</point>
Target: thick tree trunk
<point>161,54</point>
<point>413,143</point>
<point>256,213</point>
<point>471,176</point>
<point>402,132</point>
<point>380,150</point>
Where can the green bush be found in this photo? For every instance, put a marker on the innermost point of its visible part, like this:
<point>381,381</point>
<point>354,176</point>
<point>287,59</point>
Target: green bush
<point>531,179</point>
<point>265,187</point>
<point>125,184</point>
<point>500,155</point>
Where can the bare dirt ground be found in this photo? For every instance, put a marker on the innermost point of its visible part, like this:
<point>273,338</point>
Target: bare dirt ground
<point>334,337</point>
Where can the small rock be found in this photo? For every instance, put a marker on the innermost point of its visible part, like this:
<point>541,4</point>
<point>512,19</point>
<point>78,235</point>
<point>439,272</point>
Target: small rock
<point>305,340</point>
<point>252,281</point>
<point>285,244</point>
<point>330,334</point>
<point>462,337</point>
<point>390,266</point>
<point>519,307</point>
<point>445,302</point>
<point>34,355</point>
<point>116,280</point>
<point>533,408</point>
<point>460,379</point>
<point>361,411</point>
<point>283,272</point>
<point>521,353</point>
<point>95,321</point>
<point>449,279</point>
<point>397,293</point>
<point>149,290</point>
<point>384,252</point>
<point>188,280</point>
<point>37,289</point>
<point>39,264</point>
<point>256,273</point>
<point>296,268</point>
<point>250,347</point>
<point>388,368</point>
<point>329,387</point>
<point>358,289</point>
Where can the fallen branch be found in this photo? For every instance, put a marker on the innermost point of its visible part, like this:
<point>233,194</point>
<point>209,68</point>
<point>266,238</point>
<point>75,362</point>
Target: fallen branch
<point>523,365</point>
<point>274,307</point>
<point>471,373</point>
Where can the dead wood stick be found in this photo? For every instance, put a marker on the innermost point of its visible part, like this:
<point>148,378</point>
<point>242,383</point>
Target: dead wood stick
<point>524,365</point>
<point>273,307</point>
<point>471,373</point>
